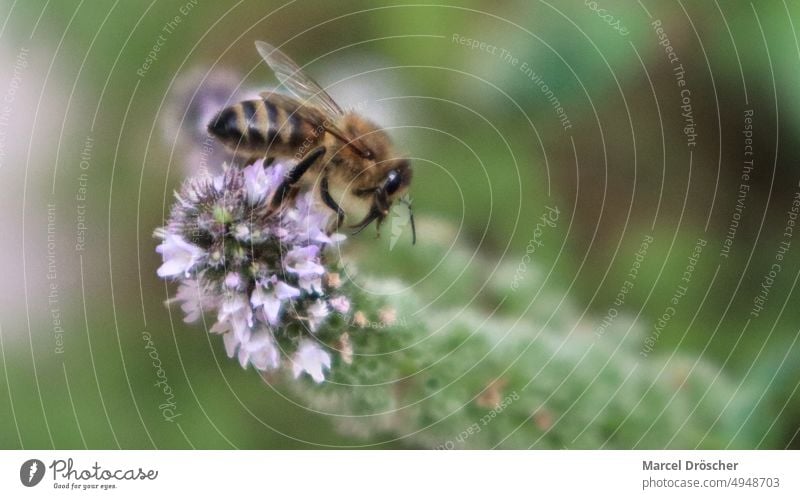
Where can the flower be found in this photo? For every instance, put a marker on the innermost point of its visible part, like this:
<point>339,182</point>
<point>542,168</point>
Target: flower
<point>258,183</point>
<point>492,395</point>
<point>235,317</point>
<point>333,279</point>
<point>360,319</point>
<point>232,280</point>
<point>179,256</point>
<point>387,316</point>
<point>258,271</point>
<point>260,351</point>
<point>310,358</point>
<point>271,299</point>
<point>304,261</point>
<point>340,303</point>
<point>346,348</point>
<point>317,313</point>
<point>194,300</point>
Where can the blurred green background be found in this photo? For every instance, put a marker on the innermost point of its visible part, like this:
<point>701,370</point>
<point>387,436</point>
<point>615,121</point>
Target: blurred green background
<point>94,142</point>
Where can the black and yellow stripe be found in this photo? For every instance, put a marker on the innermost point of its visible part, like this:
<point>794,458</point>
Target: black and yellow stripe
<point>259,124</point>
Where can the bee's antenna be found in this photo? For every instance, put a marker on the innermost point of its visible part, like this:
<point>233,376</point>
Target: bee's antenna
<point>407,202</point>
<point>413,227</point>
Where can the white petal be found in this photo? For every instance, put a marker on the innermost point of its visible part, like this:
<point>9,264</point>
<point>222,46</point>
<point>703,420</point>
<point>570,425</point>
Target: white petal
<point>220,327</point>
<point>311,284</point>
<point>272,307</point>
<point>340,303</point>
<point>171,268</point>
<point>263,354</point>
<point>236,312</point>
<point>230,344</point>
<point>244,357</point>
<point>283,291</point>
<point>312,359</point>
<point>270,303</point>
<point>219,182</point>
<point>241,329</point>
<point>317,312</point>
<point>179,256</point>
<point>258,296</point>
<point>232,280</point>
<point>256,182</point>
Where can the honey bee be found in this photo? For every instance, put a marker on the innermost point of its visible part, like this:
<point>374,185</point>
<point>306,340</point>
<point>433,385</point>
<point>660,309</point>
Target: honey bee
<point>347,157</point>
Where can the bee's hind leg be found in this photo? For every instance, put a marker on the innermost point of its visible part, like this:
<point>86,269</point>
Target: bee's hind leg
<point>294,176</point>
<point>328,200</point>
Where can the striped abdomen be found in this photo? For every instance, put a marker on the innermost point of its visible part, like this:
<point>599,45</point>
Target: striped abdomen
<point>260,127</point>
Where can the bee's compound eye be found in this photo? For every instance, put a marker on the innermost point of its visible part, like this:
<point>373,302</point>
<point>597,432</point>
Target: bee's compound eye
<point>393,181</point>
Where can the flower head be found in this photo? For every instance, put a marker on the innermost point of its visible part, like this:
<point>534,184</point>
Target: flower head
<point>259,272</point>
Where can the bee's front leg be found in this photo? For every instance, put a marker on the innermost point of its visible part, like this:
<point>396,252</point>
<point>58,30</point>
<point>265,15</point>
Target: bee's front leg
<point>329,201</point>
<point>294,176</point>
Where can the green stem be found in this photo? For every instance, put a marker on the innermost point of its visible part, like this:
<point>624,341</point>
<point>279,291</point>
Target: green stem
<point>465,378</point>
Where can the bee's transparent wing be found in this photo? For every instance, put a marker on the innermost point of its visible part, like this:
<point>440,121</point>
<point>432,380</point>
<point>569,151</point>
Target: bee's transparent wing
<point>296,81</point>
<point>309,92</point>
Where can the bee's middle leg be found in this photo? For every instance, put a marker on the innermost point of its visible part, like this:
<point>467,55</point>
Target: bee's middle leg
<point>329,201</point>
<point>294,176</point>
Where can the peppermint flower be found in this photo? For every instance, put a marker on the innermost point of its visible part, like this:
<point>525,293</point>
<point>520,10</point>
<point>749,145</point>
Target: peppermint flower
<point>258,183</point>
<point>340,303</point>
<point>261,351</point>
<point>311,358</point>
<point>194,300</point>
<point>317,313</point>
<point>257,271</point>
<point>235,317</point>
<point>179,256</point>
<point>303,262</point>
<point>272,299</point>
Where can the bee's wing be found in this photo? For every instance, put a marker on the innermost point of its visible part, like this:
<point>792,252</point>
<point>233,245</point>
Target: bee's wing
<point>293,78</point>
<point>295,107</point>
<point>310,94</point>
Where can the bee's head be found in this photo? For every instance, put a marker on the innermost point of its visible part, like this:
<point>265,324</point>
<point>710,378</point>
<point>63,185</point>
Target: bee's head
<point>396,181</point>
<point>385,176</point>
<point>393,187</point>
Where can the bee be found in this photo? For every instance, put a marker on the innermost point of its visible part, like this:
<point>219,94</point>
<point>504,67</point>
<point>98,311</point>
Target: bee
<point>338,152</point>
